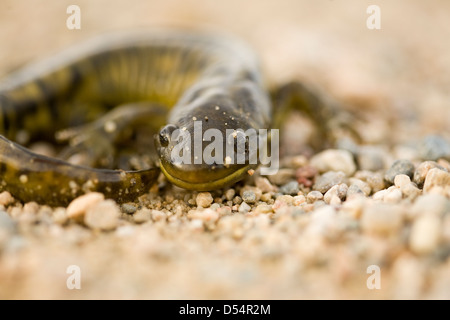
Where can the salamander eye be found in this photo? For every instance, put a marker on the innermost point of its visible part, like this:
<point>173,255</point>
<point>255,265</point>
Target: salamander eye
<point>165,134</point>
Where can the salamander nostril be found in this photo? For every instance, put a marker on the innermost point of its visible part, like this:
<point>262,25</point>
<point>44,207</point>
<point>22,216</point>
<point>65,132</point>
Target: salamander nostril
<point>165,134</point>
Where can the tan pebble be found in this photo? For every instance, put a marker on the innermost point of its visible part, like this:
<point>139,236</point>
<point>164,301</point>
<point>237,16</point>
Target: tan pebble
<point>444,163</point>
<point>437,178</point>
<point>31,207</point>
<point>267,197</point>
<point>244,207</point>
<point>339,191</point>
<point>299,200</point>
<point>334,160</point>
<point>196,225</point>
<point>379,195</point>
<point>425,234</point>
<point>59,215</point>
<point>401,180</point>
<point>264,185</point>
<point>142,215</point>
<point>314,196</point>
<point>224,211</point>
<point>103,215</point>
<point>6,198</point>
<point>353,208</point>
<point>158,215</point>
<point>78,207</point>
<point>364,186</point>
<point>207,215</point>
<point>374,179</point>
<point>410,191</point>
<point>408,278</point>
<point>229,194</point>
<point>422,171</point>
<point>335,200</point>
<point>248,190</point>
<point>204,199</point>
<point>382,218</point>
<point>393,196</point>
<point>431,204</point>
<point>283,176</point>
<point>283,201</point>
<point>263,209</point>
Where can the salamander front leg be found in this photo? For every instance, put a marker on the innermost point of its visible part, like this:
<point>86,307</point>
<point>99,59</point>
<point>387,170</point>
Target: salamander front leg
<point>95,144</point>
<point>330,119</point>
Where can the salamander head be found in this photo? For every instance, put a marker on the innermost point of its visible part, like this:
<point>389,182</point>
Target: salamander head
<point>195,157</point>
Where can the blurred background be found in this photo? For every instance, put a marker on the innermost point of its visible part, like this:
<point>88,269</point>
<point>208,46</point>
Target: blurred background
<point>399,76</point>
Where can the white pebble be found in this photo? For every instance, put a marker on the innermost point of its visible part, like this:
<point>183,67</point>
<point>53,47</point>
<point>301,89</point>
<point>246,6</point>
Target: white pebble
<point>78,207</point>
<point>204,199</point>
<point>381,218</point>
<point>6,198</point>
<point>393,196</point>
<point>401,180</point>
<point>244,207</point>
<point>334,160</point>
<point>103,215</point>
<point>425,234</point>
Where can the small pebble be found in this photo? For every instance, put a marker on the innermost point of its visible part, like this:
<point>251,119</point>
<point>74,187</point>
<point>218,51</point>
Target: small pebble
<point>204,199</point>
<point>249,196</point>
<point>334,160</point>
<point>283,176</point>
<point>299,200</point>
<point>59,215</point>
<point>405,167</point>
<point>244,207</point>
<point>142,215</point>
<point>78,207</point>
<point>263,209</point>
<point>434,147</point>
<point>237,200</point>
<point>381,218</point>
<point>401,180</point>
<point>305,175</point>
<point>375,180</point>
<point>229,194</point>
<point>422,170</point>
<point>128,208</point>
<point>370,158</point>
<point>314,196</point>
<point>158,215</point>
<point>379,195</point>
<point>339,191</point>
<point>266,197</point>
<point>6,198</point>
<point>393,195</point>
<point>7,227</point>
<point>437,178</point>
<point>264,185</point>
<point>362,185</point>
<point>410,191</point>
<point>425,234</point>
<point>207,215</point>
<point>290,188</point>
<point>103,215</point>
<point>435,204</point>
<point>354,190</point>
<point>328,180</point>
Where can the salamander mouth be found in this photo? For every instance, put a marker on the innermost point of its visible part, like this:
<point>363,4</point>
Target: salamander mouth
<point>222,182</point>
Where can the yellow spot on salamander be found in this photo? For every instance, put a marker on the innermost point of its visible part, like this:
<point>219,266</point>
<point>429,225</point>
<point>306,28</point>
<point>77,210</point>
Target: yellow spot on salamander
<point>23,178</point>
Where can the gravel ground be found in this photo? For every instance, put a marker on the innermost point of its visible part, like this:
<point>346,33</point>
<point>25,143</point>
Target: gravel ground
<point>323,227</point>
